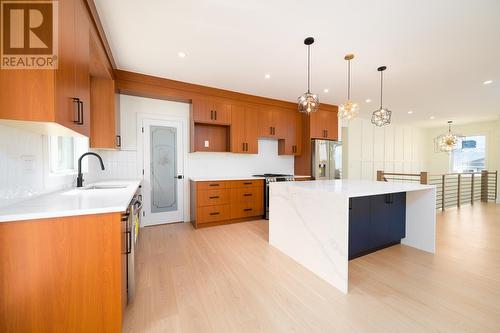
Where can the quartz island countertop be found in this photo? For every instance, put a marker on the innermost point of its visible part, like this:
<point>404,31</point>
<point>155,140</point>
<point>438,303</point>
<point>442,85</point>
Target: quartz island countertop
<point>73,202</point>
<point>310,221</point>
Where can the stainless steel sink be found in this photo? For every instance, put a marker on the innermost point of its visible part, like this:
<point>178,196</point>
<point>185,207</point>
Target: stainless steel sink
<point>105,187</point>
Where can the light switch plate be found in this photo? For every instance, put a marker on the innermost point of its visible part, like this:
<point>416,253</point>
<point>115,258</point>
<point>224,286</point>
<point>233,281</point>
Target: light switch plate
<point>206,144</point>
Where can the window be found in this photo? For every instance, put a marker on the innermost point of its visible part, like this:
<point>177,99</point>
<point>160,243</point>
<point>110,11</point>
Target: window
<point>64,152</point>
<point>472,155</point>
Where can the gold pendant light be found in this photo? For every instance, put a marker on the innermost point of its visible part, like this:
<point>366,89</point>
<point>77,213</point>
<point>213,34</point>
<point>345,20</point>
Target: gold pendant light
<point>349,110</point>
<point>447,142</point>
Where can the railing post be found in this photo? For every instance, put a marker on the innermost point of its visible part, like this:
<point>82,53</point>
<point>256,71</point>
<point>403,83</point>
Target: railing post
<point>484,186</point>
<point>496,185</point>
<point>424,177</point>
<point>380,175</point>
<point>458,189</point>
<point>442,192</point>
<point>472,189</point>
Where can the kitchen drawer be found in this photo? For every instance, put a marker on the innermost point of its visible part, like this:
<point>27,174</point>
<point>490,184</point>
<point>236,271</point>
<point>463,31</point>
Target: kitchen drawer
<point>211,185</point>
<point>242,210</point>
<point>213,214</point>
<point>213,197</point>
<point>247,183</point>
<point>247,195</point>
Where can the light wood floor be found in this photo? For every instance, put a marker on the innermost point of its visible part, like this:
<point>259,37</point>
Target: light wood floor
<point>228,279</point>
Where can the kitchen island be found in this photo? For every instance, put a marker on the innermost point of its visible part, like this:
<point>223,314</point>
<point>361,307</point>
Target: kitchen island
<point>324,224</point>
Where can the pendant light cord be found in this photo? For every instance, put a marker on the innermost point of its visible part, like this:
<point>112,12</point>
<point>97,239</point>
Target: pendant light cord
<point>308,68</point>
<point>381,86</point>
<point>349,80</point>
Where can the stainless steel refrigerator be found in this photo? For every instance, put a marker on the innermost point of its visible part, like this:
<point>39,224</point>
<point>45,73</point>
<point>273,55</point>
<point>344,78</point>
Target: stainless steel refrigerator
<point>326,159</point>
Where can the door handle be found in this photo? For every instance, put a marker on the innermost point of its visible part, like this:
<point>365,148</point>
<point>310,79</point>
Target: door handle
<point>179,177</point>
<point>118,140</point>
<point>129,242</point>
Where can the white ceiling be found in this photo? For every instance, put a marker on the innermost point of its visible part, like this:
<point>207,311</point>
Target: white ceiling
<point>438,52</point>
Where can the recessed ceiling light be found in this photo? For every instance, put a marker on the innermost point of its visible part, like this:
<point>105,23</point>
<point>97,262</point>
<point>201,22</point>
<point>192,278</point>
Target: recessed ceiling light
<point>488,82</point>
<point>410,112</point>
<point>326,90</point>
<point>368,100</point>
<point>432,117</point>
<point>181,54</point>
<point>267,76</point>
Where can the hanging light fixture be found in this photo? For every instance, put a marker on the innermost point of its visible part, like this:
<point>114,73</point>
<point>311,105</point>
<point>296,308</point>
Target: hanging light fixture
<point>349,110</point>
<point>382,116</point>
<point>308,102</point>
<point>447,142</point>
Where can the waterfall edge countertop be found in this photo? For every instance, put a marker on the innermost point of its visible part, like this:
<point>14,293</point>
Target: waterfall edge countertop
<point>74,202</point>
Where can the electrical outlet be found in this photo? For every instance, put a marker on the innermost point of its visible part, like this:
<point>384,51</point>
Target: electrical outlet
<point>28,163</point>
<point>206,144</point>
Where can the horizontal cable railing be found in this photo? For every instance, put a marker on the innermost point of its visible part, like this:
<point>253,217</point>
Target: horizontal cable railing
<point>454,189</point>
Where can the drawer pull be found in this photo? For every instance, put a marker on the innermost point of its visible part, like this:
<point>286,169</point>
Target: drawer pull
<point>215,213</point>
<point>215,197</point>
<point>247,209</point>
<point>213,185</point>
<point>247,194</point>
<point>247,183</point>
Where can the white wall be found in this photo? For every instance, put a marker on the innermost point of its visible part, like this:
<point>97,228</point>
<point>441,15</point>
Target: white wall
<point>24,166</point>
<point>393,148</point>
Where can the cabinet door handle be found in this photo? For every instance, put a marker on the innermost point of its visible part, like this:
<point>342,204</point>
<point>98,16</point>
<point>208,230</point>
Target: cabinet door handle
<point>247,209</point>
<point>247,145</point>
<point>118,140</point>
<point>247,194</point>
<point>80,109</point>
<point>247,183</point>
<point>214,197</point>
<point>215,114</point>
<point>326,133</point>
<point>271,130</point>
<point>243,145</point>
<point>213,185</point>
<point>215,213</point>
<point>274,130</point>
<point>77,115</point>
<point>211,114</point>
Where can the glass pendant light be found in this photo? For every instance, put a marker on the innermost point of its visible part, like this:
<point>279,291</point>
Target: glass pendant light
<point>382,116</point>
<point>308,102</point>
<point>447,142</point>
<point>349,110</point>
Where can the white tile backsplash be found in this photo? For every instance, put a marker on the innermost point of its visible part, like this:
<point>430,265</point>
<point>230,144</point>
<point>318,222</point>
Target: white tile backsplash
<point>117,165</point>
<point>23,167</point>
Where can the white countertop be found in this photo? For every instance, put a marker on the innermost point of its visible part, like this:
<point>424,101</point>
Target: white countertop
<point>355,188</point>
<point>73,202</point>
<point>218,179</point>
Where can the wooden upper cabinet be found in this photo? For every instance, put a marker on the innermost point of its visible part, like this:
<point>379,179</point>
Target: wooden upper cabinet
<point>61,95</point>
<point>103,114</point>
<point>291,144</point>
<point>212,111</point>
<point>324,125</point>
<point>273,123</point>
<point>72,92</point>
<point>244,129</point>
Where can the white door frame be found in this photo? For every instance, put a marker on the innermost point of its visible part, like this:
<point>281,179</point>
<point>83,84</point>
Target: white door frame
<point>184,120</point>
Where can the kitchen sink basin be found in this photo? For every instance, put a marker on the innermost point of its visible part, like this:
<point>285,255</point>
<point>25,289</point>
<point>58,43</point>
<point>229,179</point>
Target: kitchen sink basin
<point>105,187</point>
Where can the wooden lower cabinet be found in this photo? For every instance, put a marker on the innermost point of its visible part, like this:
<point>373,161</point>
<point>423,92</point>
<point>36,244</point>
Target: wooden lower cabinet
<point>222,202</point>
<point>62,274</point>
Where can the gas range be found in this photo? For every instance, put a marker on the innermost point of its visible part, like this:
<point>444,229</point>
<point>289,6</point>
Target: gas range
<point>271,178</point>
<point>276,177</point>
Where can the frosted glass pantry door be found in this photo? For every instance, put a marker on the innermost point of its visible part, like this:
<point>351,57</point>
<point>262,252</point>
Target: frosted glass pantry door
<point>163,172</point>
